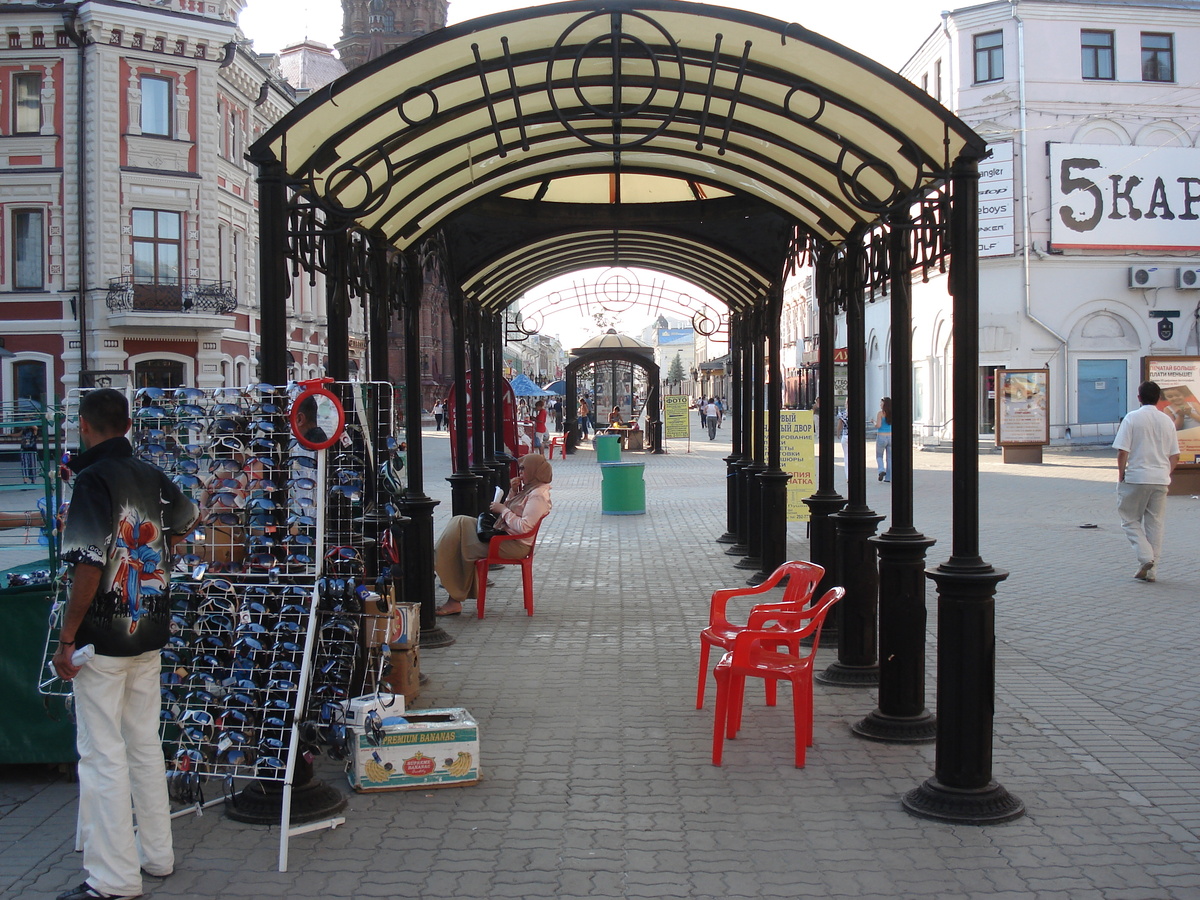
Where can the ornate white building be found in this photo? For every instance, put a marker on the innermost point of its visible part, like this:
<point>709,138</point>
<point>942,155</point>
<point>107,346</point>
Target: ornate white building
<point>127,209</point>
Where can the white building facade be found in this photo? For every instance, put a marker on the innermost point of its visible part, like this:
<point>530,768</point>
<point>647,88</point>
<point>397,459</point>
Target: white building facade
<point>1089,205</point>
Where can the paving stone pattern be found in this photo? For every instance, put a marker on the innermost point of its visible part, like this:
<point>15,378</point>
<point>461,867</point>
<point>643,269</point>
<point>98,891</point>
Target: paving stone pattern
<point>598,782</point>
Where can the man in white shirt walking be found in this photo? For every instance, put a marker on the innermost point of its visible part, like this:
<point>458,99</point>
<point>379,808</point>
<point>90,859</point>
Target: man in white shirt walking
<point>1147,452</point>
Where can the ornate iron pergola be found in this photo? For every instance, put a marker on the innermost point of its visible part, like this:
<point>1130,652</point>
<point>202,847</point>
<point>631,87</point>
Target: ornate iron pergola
<point>720,146</point>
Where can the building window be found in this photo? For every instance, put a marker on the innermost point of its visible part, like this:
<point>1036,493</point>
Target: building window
<point>156,247</point>
<point>29,381</point>
<point>156,105</point>
<point>937,80</point>
<point>1158,57</point>
<point>989,56</point>
<point>159,373</point>
<point>27,103</point>
<point>28,250</point>
<point>1096,48</point>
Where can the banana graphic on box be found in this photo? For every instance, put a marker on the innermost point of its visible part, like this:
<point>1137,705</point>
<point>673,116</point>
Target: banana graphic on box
<point>461,766</point>
<point>376,769</point>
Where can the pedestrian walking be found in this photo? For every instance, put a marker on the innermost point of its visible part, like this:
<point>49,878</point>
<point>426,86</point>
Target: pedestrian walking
<point>702,406</point>
<point>842,430</point>
<point>1147,452</point>
<point>584,421</point>
<point>710,413</point>
<point>124,516</point>
<point>29,454</point>
<point>439,414</point>
<point>883,439</point>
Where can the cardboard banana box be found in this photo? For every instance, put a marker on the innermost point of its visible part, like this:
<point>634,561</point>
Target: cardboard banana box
<point>432,748</point>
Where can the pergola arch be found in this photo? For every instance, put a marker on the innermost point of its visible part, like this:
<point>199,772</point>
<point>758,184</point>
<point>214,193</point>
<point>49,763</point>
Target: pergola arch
<point>725,147</point>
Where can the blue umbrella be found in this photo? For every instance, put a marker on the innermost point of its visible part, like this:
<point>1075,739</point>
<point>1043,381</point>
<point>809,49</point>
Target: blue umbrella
<point>557,387</point>
<point>523,386</point>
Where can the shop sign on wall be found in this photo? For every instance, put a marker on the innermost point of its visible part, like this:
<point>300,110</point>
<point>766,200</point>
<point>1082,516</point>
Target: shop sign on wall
<point>996,201</point>
<point>1124,198</point>
<point>1179,378</point>
<point>1022,406</point>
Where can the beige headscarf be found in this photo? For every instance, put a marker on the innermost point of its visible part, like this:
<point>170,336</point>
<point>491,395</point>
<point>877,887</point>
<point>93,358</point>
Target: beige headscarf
<point>537,470</point>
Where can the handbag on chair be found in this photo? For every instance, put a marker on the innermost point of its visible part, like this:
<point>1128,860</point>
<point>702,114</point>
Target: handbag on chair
<point>486,526</point>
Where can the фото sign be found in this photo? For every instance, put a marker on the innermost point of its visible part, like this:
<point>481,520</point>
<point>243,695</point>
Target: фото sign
<point>1124,198</point>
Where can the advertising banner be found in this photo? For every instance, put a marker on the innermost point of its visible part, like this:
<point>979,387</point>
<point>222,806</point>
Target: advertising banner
<point>1179,378</point>
<point>996,201</point>
<point>675,417</point>
<point>1022,406</point>
<point>1125,198</point>
<point>797,457</point>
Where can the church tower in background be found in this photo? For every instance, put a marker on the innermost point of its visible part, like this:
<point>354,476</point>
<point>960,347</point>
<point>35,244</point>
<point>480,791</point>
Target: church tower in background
<point>371,28</point>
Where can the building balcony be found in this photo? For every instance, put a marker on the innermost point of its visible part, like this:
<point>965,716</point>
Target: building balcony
<point>186,303</point>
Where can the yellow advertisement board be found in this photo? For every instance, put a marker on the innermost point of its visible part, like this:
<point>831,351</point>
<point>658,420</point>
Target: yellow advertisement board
<point>675,416</point>
<point>797,457</point>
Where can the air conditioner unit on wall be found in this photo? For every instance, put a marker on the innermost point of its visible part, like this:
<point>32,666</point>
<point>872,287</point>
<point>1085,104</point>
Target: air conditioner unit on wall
<point>1148,277</point>
<point>1187,279</point>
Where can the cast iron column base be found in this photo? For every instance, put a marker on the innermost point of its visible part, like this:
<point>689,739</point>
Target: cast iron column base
<point>418,559</point>
<point>261,802</point>
<point>841,675</point>
<point>773,484</point>
<point>857,613</point>
<point>901,716</point>
<point>989,805</point>
<point>822,550</point>
<point>733,463</point>
<point>464,494</point>
<point>920,729</point>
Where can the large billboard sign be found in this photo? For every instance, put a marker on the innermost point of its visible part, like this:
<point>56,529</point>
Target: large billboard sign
<point>996,201</point>
<point>1179,378</point>
<point>1124,198</point>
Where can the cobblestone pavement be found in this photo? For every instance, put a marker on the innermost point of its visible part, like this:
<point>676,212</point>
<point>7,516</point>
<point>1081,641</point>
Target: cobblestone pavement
<point>598,782</point>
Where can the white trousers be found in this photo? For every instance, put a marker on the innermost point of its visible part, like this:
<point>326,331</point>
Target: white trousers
<point>117,705</point>
<point>1143,508</point>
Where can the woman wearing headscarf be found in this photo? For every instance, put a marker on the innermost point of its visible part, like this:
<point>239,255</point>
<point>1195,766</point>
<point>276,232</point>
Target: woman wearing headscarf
<point>459,547</point>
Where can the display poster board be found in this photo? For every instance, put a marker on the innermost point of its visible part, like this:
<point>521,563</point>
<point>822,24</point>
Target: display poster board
<point>1022,407</point>
<point>797,457</point>
<point>675,417</point>
<point>1179,378</point>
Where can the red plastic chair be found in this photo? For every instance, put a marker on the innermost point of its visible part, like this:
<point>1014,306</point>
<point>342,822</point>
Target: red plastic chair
<point>558,442</point>
<point>495,559</point>
<point>803,578</point>
<point>751,658</point>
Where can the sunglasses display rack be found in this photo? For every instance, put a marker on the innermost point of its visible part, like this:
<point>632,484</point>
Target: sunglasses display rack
<point>270,591</point>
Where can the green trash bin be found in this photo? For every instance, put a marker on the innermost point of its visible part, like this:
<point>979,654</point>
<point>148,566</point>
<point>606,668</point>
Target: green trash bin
<point>608,448</point>
<point>34,729</point>
<point>623,490</point>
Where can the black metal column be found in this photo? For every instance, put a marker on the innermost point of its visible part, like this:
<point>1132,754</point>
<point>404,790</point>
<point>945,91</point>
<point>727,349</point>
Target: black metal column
<point>464,490</point>
<point>857,663</point>
<point>337,307</point>
<point>736,458</point>
<point>274,286</point>
<point>752,495</point>
<point>415,504</point>
<point>901,716</point>
<point>962,788</point>
<point>498,458</point>
<point>826,501</point>
<point>479,398</point>
<point>744,423</point>
<point>773,482</point>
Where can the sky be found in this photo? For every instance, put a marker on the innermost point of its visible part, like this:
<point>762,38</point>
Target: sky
<point>889,31</point>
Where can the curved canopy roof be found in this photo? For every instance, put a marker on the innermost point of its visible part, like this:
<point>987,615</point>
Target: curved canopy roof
<point>625,105</point>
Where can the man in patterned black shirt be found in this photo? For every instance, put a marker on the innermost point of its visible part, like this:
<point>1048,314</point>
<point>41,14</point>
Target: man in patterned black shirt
<point>124,517</point>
